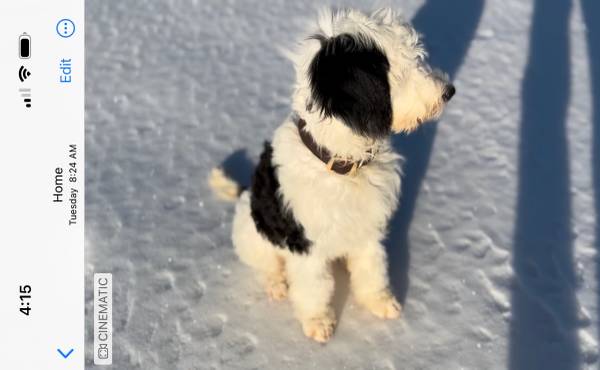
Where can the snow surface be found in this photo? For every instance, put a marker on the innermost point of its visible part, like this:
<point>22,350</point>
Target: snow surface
<point>493,251</point>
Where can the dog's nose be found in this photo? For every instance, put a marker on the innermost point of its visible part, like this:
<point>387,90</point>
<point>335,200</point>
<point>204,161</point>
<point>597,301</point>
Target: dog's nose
<point>449,92</point>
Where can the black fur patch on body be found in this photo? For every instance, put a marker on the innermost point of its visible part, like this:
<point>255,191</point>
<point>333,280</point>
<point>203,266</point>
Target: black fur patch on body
<point>271,219</point>
<point>349,81</point>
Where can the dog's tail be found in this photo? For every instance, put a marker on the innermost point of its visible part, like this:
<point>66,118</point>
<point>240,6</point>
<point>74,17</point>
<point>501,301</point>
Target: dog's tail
<point>224,187</point>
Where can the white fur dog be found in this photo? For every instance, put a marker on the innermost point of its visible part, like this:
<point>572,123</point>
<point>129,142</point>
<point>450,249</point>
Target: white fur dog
<point>327,185</point>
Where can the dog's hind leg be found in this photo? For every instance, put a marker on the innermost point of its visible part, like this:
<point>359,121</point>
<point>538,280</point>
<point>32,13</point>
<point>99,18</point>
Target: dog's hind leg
<point>257,252</point>
<point>370,283</point>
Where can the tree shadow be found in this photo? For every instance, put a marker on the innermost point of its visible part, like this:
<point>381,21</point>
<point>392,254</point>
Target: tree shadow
<point>591,11</point>
<point>543,323</point>
<point>448,28</point>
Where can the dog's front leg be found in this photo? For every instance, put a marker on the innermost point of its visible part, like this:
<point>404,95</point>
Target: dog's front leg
<point>311,290</point>
<point>370,282</point>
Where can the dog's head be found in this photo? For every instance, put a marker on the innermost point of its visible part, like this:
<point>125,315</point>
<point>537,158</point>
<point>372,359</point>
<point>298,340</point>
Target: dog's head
<point>370,73</point>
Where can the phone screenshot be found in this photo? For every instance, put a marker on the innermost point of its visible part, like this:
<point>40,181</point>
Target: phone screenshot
<point>299,185</point>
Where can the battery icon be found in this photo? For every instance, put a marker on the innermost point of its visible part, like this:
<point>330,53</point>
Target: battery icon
<point>24,46</point>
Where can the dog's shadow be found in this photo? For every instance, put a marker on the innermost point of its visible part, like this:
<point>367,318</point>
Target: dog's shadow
<point>448,28</point>
<point>239,167</point>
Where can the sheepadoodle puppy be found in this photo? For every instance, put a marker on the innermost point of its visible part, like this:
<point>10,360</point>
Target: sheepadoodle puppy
<point>328,182</point>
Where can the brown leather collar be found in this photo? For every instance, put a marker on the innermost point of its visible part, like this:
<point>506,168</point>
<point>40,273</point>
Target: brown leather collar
<point>337,165</point>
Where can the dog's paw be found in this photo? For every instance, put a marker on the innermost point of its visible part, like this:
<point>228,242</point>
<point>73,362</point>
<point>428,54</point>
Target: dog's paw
<point>383,305</point>
<point>319,328</point>
<point>277,290</point>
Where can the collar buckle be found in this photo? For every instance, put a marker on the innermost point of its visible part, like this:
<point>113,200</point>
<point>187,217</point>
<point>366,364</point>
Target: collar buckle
<point>332,162</point>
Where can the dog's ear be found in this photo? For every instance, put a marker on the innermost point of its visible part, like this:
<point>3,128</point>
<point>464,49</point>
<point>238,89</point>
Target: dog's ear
<point>349,81</point>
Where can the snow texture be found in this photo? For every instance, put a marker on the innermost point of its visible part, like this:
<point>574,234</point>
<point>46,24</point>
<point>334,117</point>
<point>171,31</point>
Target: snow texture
<point>493,251</point>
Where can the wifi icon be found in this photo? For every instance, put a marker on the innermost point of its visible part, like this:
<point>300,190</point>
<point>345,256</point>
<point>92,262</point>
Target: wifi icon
<point>23,73</point>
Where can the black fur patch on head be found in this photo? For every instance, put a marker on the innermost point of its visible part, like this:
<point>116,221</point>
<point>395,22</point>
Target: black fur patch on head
<point>271,219</point>
<point>348,79</point>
